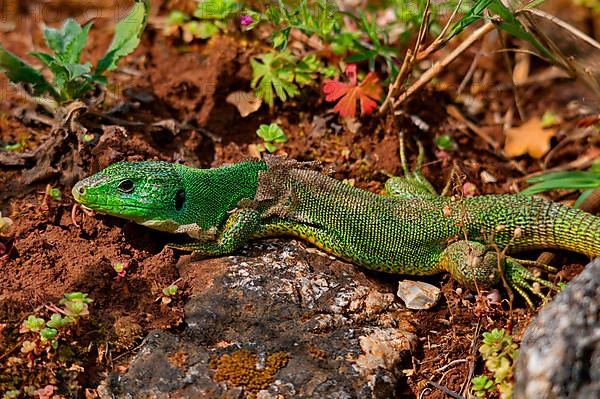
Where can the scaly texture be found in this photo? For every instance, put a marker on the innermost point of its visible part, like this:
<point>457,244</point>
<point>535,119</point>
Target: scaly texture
<point>410,231</point>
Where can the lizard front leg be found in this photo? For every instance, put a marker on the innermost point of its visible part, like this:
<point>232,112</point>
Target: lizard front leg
<point>240,227</point>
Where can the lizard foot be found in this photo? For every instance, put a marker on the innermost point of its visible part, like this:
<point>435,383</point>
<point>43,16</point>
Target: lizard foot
<point>519,278</point>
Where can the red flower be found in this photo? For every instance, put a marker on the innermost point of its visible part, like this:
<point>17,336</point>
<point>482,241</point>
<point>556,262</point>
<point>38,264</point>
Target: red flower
<point>367,93</point>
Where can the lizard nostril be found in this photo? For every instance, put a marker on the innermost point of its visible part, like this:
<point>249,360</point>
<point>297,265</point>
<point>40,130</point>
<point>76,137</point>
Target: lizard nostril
<point>81,190</point>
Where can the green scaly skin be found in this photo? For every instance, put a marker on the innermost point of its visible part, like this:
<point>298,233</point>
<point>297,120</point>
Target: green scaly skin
<point>409,231</point>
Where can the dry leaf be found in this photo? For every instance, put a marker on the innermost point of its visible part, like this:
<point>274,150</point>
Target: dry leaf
<point>521,69</point>
<point>245,101</point>
<point>529,138</point>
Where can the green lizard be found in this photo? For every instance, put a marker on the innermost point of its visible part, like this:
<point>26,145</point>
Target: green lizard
<point>411,230</point>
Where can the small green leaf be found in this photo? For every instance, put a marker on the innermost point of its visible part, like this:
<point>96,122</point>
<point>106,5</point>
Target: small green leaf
<point>54,193</point>
<point>58,321</point>
<point>201,30</point>
<point>177,18</point>
<point>74,48</point>
<point>445,142</point>
<point>18,71</point>
<point>549,119</point>
<point>170,290</point>
<point>34,323</point>
<point>76,297</point>
<point>271,75</point>
<point>12,394</point>
<point>482,385</point>
<point>48,334</point>
<point>272,133</point>
<point>570,180</point>
<point>306,69</point>
<point>57,40</point>
<point>270,147</point>
<point>128,33</point>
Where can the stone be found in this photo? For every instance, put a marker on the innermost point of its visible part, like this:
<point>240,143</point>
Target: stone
<point>418,295</point>
<point>560,353</point>
<point>277,321</point>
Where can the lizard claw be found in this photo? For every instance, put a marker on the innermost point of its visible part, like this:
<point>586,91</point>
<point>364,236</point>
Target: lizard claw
<point>518,278</point>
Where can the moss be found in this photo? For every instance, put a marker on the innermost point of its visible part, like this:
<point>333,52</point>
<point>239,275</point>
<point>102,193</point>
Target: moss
<point>240,369</point>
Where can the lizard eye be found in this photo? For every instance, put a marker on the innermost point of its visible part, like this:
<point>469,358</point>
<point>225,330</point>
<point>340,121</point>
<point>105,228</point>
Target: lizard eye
<point>179,199</point>
<point>126,186</point>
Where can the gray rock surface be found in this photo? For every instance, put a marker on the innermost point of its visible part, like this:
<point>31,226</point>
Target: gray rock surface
<point>291,323</point>
<point>560,354</point>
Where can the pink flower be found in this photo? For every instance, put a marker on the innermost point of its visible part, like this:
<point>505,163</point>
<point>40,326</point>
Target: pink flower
<point>246,20</point>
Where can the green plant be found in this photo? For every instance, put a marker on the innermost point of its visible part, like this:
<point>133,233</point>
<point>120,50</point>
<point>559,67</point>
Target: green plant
<point>46,341</point>
<point>71,78</point>
<point>445,142</point>
<point>76,304</point>
<point>34,324</point>
<point>272,135</point>
<point>210,18</point>
<point>12,394</point>
<point>280,73</point>
<point>507,21</point>
<point>482,386</point>
<point>321,18</point>
<point>168,293</point>
<point>120,268</point>
<point>20,145</point>
<point>500,354</point>
<point>53,192</point>
<point>377,45</point>
<point>588,180</point>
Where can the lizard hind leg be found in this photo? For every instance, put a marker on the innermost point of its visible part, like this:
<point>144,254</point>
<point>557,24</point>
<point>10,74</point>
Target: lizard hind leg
<point>413,184</point>
<point>475,265</point>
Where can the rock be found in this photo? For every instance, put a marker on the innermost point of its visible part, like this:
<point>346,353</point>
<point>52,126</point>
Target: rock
<point>418,294</point>
<point>281,322</point>
<point>560,354</point>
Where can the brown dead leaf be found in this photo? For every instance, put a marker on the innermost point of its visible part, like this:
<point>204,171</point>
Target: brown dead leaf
<point>245,101</point>
<point>529,138</point>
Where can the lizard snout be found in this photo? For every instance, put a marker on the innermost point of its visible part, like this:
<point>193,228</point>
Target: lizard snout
<point>79,190</point>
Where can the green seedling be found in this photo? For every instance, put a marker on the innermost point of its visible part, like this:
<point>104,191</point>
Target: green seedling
<point>272,135</point>
<point>210,18</point>
<point>446,143</point>
<point>54,193</point>
<point>58,321</point>
<point>500,354</point>
<point>12,394</point>
<point>272,75</point>
<point>482,386</point>
<point>120,268</point>
<point>549,119</point>
<point>76,304</point>
<point>588,181</point>
<point>72,79</point>
<point>168,293</point>
<point>321,18</point>
<point>34,324</point>
<point>280,73</point>
<point>19,145</point>
<point>48,334</point>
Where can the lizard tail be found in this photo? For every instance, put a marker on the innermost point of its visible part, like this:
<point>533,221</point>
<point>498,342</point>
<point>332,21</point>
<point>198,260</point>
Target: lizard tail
<point>568,228</point>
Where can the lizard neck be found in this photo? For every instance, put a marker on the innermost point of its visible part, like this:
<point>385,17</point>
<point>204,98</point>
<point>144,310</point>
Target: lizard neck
<point>212,193</point>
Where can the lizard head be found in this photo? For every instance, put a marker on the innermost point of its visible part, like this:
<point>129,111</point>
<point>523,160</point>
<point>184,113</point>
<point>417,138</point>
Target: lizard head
<point>150,193</point>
